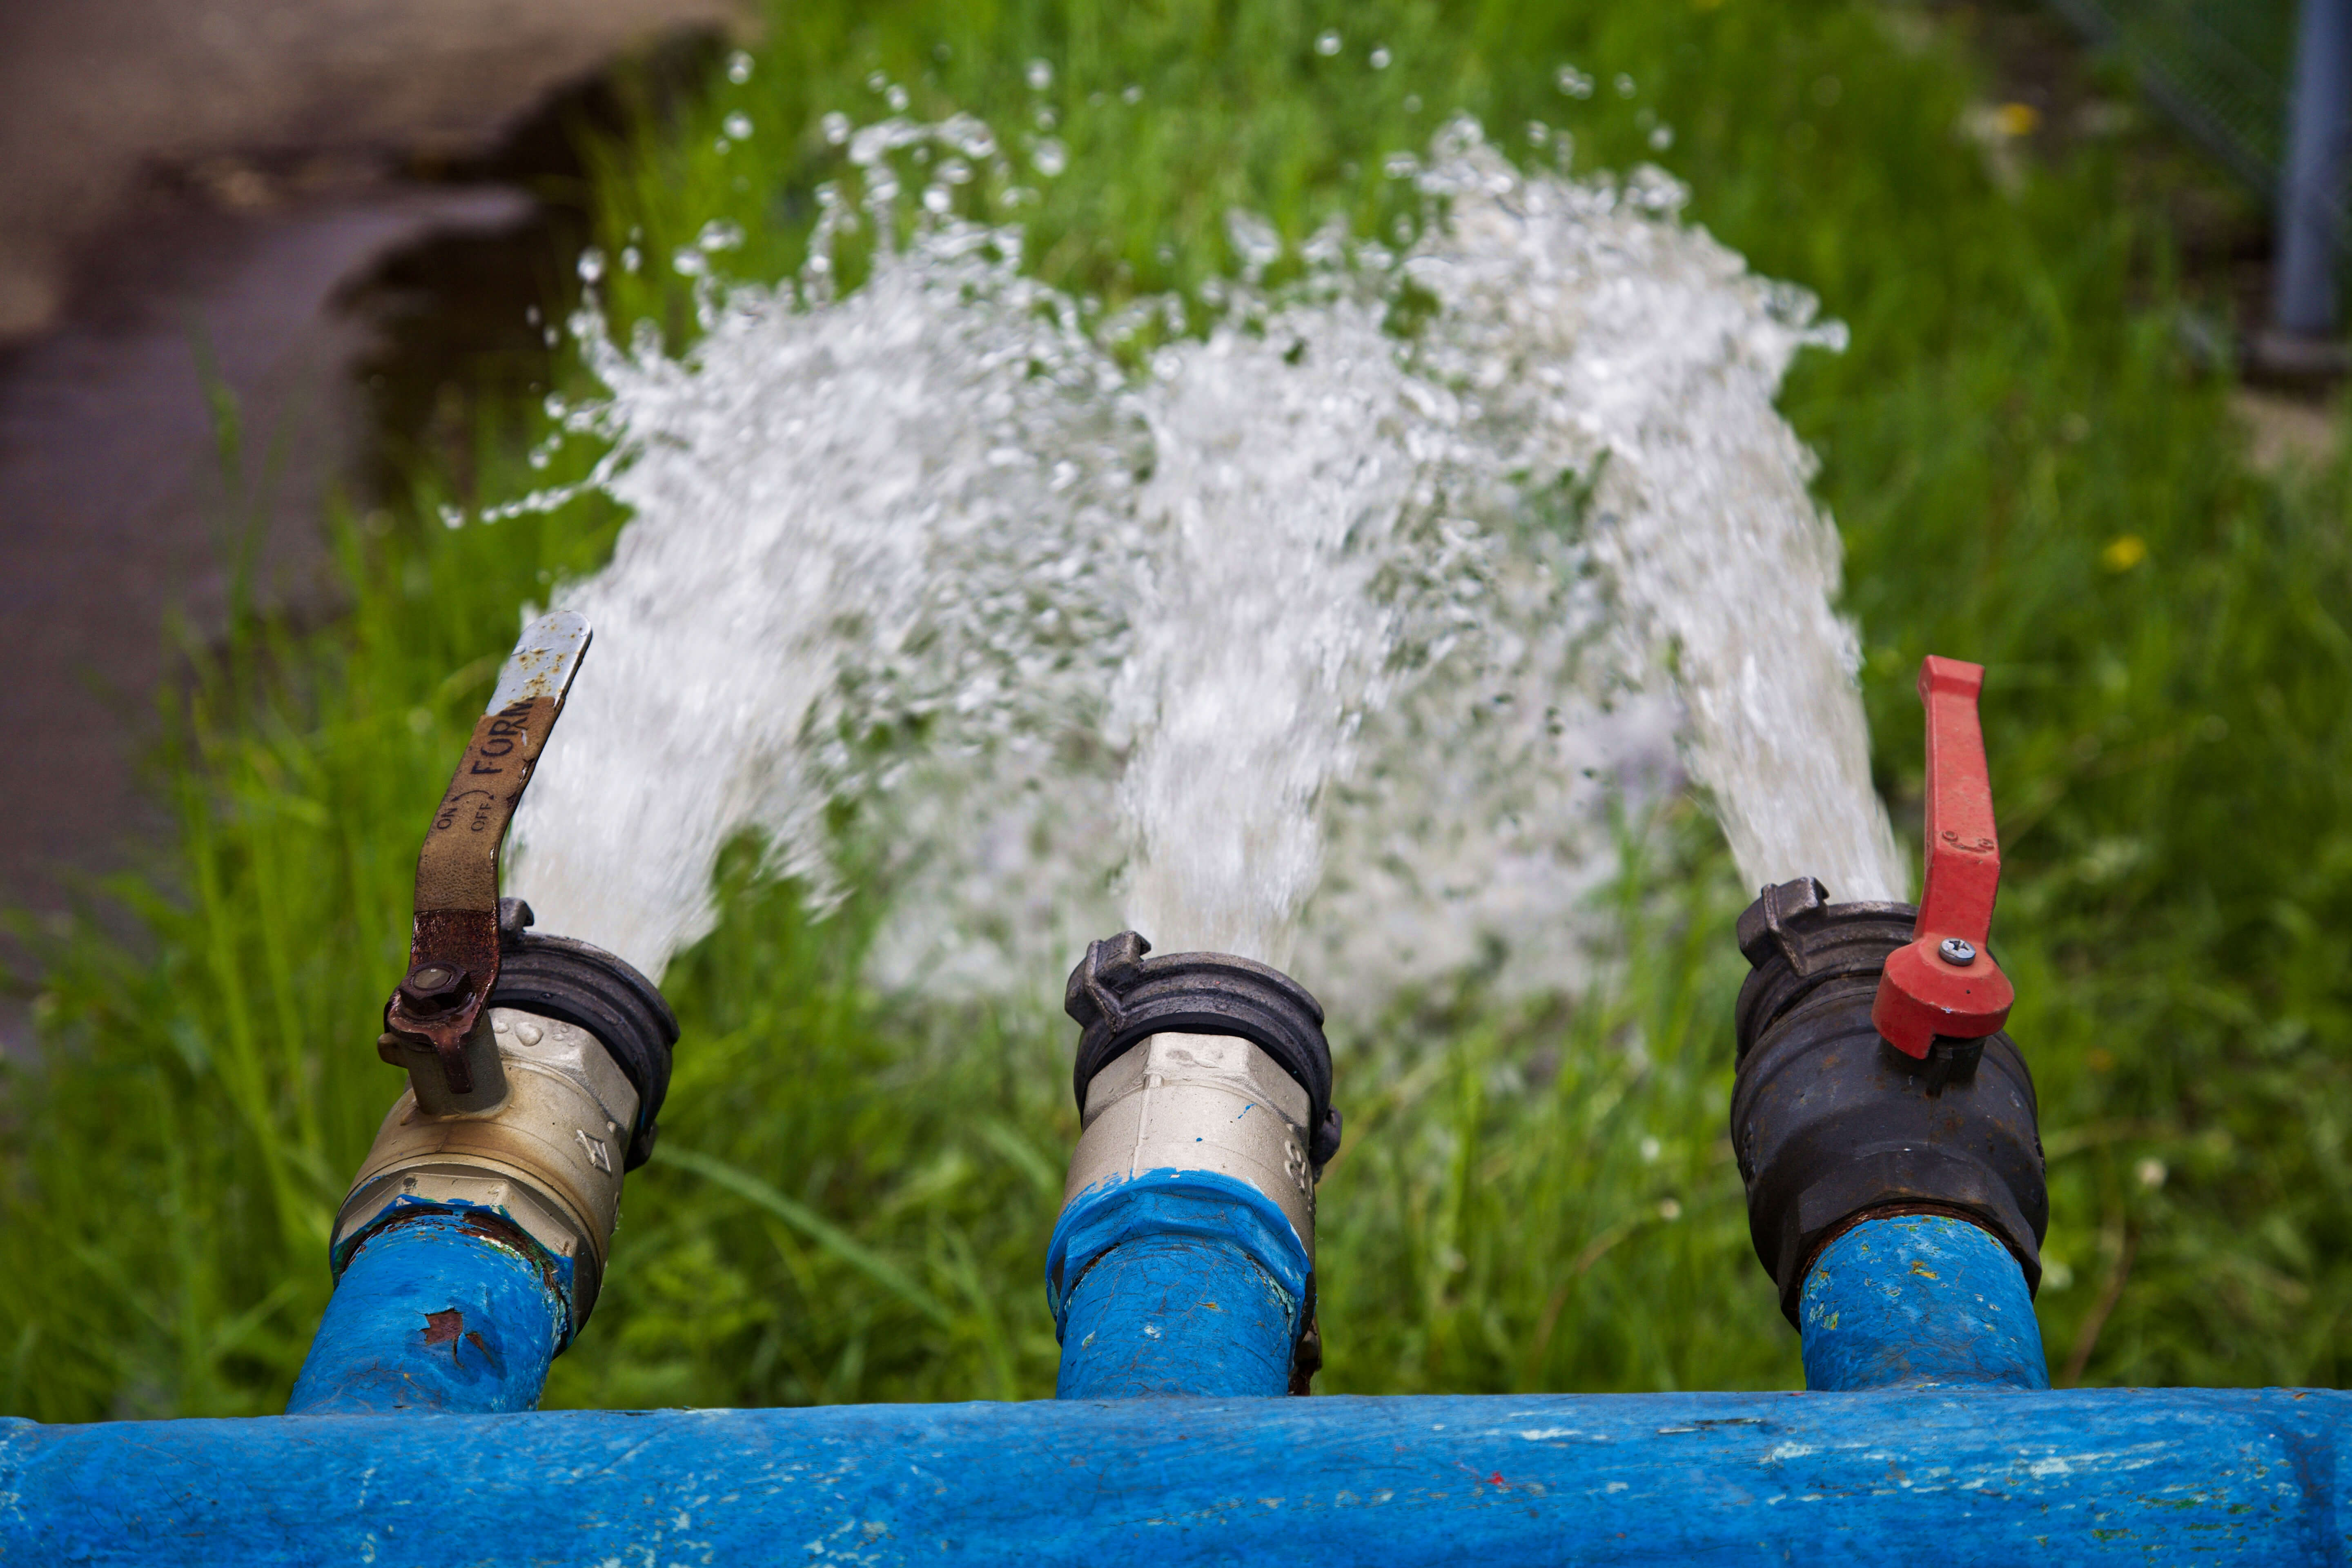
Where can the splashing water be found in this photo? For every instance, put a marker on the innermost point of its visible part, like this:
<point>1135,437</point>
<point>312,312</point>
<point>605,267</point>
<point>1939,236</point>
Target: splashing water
<point>1310,641</point>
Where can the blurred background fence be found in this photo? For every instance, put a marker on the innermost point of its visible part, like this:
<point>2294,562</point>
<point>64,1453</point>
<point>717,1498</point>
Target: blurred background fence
<point>2221,68</point>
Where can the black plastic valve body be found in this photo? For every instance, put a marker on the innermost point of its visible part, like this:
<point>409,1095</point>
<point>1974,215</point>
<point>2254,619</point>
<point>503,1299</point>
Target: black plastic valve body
<point>1832,1125</point>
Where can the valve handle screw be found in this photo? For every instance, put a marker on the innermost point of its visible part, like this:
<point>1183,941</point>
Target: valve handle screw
<point>432,986</point>
<point>1957,950</point>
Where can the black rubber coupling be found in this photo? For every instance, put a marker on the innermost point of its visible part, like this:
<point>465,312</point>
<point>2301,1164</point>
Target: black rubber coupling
<point>1831,1124</point>
<point>1120,998</point>
<point>557,977</point>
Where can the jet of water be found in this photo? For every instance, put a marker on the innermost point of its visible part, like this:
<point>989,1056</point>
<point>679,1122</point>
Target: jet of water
<point>1311,640</point>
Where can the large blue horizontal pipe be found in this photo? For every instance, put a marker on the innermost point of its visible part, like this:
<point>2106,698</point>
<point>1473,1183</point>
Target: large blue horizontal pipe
<point>1175,1282</point>
<point>2106,1476</point>
<point>432,1314</point>
<point>1919,1301</point>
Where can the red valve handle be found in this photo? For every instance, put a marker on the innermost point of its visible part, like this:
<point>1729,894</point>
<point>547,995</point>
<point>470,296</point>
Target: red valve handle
<point>1944,982</point>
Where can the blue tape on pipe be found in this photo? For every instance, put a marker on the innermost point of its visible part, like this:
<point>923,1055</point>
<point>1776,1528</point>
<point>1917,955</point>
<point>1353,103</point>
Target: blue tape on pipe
<point>1919,1301</point>
<point>432,1315</point>
<point>2091,1476</point>
<point>1175,1282</point>
<point>405,1207</point>
<point>1200,1204</point>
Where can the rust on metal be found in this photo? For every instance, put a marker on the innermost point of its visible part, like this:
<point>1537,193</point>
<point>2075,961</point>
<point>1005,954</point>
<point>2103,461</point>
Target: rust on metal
<point>453,948</point>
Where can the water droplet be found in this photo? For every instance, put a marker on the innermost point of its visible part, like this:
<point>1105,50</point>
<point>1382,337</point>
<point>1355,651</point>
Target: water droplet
<point>1039,74</point>
<point>1049,157</point>
<point>836,126</point>
<point>897,98</point>
<point>739,68</point>
<point>1625,85</point>
<point>1255,240</point>
<point>591,266</point>
<point>1381,58</point>
<point>1131,93</point>
<point>1662,138</point>
<point>738,125</point>
<point>1327,43</point>
<point>1573,82</point>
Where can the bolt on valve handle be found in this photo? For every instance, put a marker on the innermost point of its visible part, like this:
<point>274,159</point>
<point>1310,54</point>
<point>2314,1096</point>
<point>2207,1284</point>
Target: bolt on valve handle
<point>1943,983</point>
<point>453,947</point>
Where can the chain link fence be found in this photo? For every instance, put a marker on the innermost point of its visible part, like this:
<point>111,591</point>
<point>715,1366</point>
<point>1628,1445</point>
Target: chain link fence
<point>2223,69</point>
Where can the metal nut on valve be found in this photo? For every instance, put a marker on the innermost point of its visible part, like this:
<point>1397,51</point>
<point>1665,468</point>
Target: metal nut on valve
<point>1207,1102</point>
<point>434,987</point>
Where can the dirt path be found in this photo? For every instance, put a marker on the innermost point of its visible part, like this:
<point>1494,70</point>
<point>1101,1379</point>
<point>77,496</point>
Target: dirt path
<point>98,96</point>
<point>184,181</point>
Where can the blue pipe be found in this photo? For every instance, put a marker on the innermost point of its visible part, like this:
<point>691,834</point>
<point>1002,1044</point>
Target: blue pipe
<point>432,1314</point>
<point>2110,1476</point>
<point>1919,1301</point>
<point>1175,1282</point>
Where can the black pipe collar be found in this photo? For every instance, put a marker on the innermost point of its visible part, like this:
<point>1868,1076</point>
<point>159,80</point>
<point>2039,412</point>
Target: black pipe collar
<point>557,977</point>
<point>1832,1124</point>
<point>1120,998</point>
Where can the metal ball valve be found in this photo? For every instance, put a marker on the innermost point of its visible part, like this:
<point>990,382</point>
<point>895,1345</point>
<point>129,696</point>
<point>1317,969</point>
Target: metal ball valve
<point>472,1245</point>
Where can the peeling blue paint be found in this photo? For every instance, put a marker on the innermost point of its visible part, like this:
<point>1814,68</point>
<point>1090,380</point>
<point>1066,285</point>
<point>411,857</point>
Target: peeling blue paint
<point>1919,1301</point>
<point>431,1315</point>
<point>1175,1282</point>
<point>2105,1476</point>
<point>560,1269</point>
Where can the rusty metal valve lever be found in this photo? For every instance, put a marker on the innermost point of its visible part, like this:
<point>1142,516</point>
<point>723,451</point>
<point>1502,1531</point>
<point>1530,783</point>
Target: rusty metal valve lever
<point>435,1016</point>
<point>1943,983</point>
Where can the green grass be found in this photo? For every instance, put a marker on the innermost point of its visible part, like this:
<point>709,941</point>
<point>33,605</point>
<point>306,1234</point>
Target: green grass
<point>855,1190</point>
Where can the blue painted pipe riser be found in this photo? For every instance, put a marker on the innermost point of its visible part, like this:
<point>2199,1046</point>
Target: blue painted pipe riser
<point>2187,1475</point>
<point>1177,1282</point>
<point>433,1315</point>
<point>1178,1315</point>
<point>1922,1301</point>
